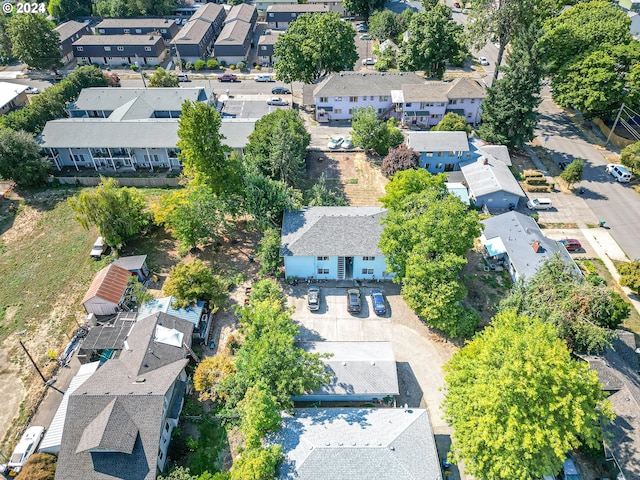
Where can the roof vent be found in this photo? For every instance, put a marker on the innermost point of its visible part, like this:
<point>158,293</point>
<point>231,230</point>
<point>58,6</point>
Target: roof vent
<point>344,364</point>
<point>485,161</point>
<point>141,380</point>
<point>392,448</point>
<point>536,246</point>
<point>373,363</point>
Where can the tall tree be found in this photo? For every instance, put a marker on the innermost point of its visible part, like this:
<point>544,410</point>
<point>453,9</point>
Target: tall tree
<point>452,122</point>
<point>372,133</point>
<point>117,212</point>
<point>320,195</point>
<point>518,402</point>
<point>134,8</point>
<point>314,46</point>
<point>399,159</point>
<point>34,41</point>
<point>20,159</point>
<point>210,374</point>
<point>163,78</point>
<point>573,173</point>
<point>363,8</point>
<point>194,281</point>
<point>64,10</point>
<point>509,111</point>
<point>386,24</point>
<point>630,157</point>
<point>202,151</point>
<point>5,39</point>
<point>257,463</point>
<point>434,39</point>
<point>259,415</point>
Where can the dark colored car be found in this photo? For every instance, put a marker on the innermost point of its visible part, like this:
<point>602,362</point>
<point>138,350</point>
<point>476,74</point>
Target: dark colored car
<point>377,300</point>
<point>228,77</point>
<point>313,298</point>
<point>280,91</point>
<point>571,244</point>
<point>353,301</point>
<point>456,5</point>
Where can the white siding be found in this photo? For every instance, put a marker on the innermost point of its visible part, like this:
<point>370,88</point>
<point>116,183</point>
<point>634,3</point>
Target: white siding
<point>99,306</point>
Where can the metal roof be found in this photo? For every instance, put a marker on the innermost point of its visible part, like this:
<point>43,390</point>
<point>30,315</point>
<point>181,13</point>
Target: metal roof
<point>109,284</point>
<point>132,262</point>
<point>192,313</point>
<point>486,175</point>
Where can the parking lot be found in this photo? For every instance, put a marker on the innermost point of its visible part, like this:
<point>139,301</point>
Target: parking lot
<point>249,106</point>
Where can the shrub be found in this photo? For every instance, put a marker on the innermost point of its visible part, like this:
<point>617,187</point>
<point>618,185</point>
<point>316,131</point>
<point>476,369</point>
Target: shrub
<point>188,66</point>
<point>199,65</point>
<point>258,67</point>
<point>232,67</point>
<point>590,267</point>
<point>241,65</point>
<point>223,63</point>
<point>212,64</point>
<point>40,466</point>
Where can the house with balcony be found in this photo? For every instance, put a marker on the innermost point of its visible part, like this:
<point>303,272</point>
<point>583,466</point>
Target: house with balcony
<point>195,39</point>
<point>331,5</point>
<point>119,421</point>
<point>440,151</point>
<point>127,129</point>
<point>279,17</point>
<point>261,5</point>
<point>167,28</point>
<point>265,47</point>
<point>70,32</point>
<point>120,49</point>
<point>334,243</point>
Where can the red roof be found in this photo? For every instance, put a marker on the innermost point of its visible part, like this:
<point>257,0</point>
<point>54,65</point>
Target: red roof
<point>109,284</point>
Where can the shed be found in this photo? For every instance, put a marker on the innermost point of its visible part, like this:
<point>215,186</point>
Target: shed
<point>136,264</point>
<point>107,291</point>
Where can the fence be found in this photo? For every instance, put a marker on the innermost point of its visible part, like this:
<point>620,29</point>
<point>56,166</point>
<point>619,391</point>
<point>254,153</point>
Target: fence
<point>123,181</point>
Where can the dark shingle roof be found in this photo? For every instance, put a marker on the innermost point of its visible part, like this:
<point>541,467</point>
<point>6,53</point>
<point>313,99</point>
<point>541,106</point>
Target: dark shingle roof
<point>243,12</point>
<point>332,231</point>
<point>358,83</point>
<point>69,29</point>
<point>147,39</point>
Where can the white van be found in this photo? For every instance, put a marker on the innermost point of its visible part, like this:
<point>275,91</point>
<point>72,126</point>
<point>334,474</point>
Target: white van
<point>539,204</point>
<point>619,172</point>
<point>183,77</point>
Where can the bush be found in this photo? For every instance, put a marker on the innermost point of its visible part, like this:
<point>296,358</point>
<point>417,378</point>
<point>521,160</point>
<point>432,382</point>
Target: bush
<point>596,280</point>
<point>212,64</point>
<point>536,181</point>
<point>199,65</point>
<point>232,67</point>
<point>40,466</point>
<point>223,63</point>
<point>258,67</point>
<point>134,68</point>
<point>241,65</point>
<point>188,66</point>
<point>589,267</point>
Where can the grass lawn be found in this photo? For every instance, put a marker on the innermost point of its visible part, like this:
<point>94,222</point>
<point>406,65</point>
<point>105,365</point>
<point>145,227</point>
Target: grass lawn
<point>212,442</point>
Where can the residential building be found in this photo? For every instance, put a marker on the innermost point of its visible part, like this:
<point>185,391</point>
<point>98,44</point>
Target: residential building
<point>360,372</point>
<point>351,443</point>
<point>440,151</point>
<point>261,5</point>
<point>618,371</point>
<point>120,49</point>
<point>243,12</point>
<point>106,338</point>
<point>491,183</point>
<point>630,5</point>
<point>458,189</point>
<point>279,17</point>
<point>196,313</point>
<point>233,43</point>
<point>265,47</point>
<point>167,28</point>
<point>12,96</point>
<point>514,241</point>
<point>635,24</point>
<point>128,129</point>
<point>331,5</point>
<point>195,39</point>
<point>70,32</point>
<point>119,421</point>
<point>135,264</point>
<point>108,291</point>
<point>333,243</point>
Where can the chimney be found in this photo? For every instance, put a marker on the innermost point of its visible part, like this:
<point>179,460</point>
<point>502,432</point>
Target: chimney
<point>536,246</point>
<point>485,161</point>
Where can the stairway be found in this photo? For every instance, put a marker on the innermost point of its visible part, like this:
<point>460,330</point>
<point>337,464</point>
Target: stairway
<point>340,268</point>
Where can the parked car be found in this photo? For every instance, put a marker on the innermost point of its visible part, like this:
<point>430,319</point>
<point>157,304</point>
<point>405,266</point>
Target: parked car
<point>569,471</point>
<point>32,90</point>
<point>353,300</point>
<point>456,5</point>
<point>277,101</point>
<point>464,11</point>
<point>98,249</point>
<point>539,204</point>
<point>184,21</point>
<point>563,165</point>
<point>264,78</point>
<point>183,77</point>
<point>335,142</point>
<point>313,298</point>
<point>368,61</point>
<point>483,61</point>
<point>26,446</point>
<point>365,36</point>
<point>347,144</point>
<point>377,301</point>
<point>362,28</point>
<point>619,172</point>
<point>571,244</point>
<point>280,91</point>
<point>228,77</point>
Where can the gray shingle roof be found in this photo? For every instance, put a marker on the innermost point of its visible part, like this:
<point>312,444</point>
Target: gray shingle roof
<point>332,231</point>
<point>108,99</point>
<point>199,24</point>
<point>295,8</point>
<point>438,141</point>
<point>490,177</point>
<point>501,152</point>
<point>270,39</point>
<point>348,84</point>
<point>517,233</point>
<point>147,39</point>
<point>348,444</point>
<point>134,22</point>
<point>112,430</point>
<point>209,12</point>
<point>233,33</point>
<point>358,368</point>
<point>243,12</point>
<point>69,29</point>
<point>466,88</point>
<point>132,262</point>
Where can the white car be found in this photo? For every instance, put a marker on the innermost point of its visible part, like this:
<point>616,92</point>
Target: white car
<point>264,78</point>
<point>26,446</point>
<point>368,61</point>
<point>32,90</point>
<point>277,101</point>
<point>335,142</point>
<point>483,61</point>
<point>347,144</point>
<point>98,249</point>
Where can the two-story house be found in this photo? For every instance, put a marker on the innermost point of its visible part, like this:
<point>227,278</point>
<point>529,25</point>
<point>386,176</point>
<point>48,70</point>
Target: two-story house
<point>12,96</point>
<point>331,5</point>
<point>334,243</point>
<point>234,41</point>
<point>261,5</point>
<point>279,17</point>
<point>195,39</point>
<point>118,49</point>
<point>138,26</point>
<point>265,47</point>
<point>440,151</point>
<point>70,32</point>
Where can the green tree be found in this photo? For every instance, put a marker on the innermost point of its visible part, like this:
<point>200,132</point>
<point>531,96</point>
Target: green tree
<point>314,46</point>
<point>34,41</point>
<point>320,195</point>
<point>630,275</point>
<point>269,252</point>
<point>509,111</point>
<point>135,8</point>
<point>64,10</point>
<point>257,464</point>
<point>630,157</point>
<point>518,402</point>
<point>190,282</point>
<point>372,133</point>
<point>163,78</point>
<point>20,159</point>
<point>210,374</point>
<point>399,159</point>
<point>194,216</point>
<point>259,415</point>
<point>278,146</point>
<point>573,173</point>
<point>117,212</point>
<point>363,8</point>
<point>202,150</point>
<point>452,122</point>
<point>386,24</point>
<point>5,40</point>
<point>434,39</point>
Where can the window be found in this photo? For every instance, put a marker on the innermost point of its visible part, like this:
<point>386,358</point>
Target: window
<point>380,111</point>
<point>80,49</point>
<point>453,102</point>
<point>448,167</point>
<point>473,100</point>
<point>367,271</point>
<point>441,154</point>
<point>429,154</point>
<point>384,98</point>
<point>101,30</point>
<point>107,49</point>
<point>408,104</point>
<point>424,105</point>
<point>368,259</point>
<point>353,99</point>
<point>121,49</point>
<point>293,14</point>
<point>161,454</point>
<point>163,30</point>
<point>338,111</point>
<point>126,30</point>
<point>338,99</point>
<point>270,14</point>
<point>139,31</point>
<point>147,49</point>
<point>323,271</point>
<point>166,426</point>
<point>263,47</point>
<point>427,166</point>
<point>324,99</point>
<point>371,98</point>
<point>438,166</point>
<point>351,110</point>
<point>469,115</point>
<point>323,259</point>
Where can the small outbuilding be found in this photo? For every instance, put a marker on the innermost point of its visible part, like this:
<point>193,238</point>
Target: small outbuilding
<point>136,264</point>
<point>107,291</point>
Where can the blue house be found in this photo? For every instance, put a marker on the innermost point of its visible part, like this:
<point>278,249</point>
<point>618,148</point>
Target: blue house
<point>440,151</point>
<point>195,313</point>
<point>333,243</point>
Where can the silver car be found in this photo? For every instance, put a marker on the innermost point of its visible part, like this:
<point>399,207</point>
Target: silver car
<point>313,298</point>
<point>277,101</point>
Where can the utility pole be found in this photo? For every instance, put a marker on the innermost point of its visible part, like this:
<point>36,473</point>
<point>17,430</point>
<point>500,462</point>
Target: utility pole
<point>615,124</point>
<point>34,363</point>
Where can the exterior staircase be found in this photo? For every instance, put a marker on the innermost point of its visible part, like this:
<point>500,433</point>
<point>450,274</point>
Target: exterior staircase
<point>340,268</point>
